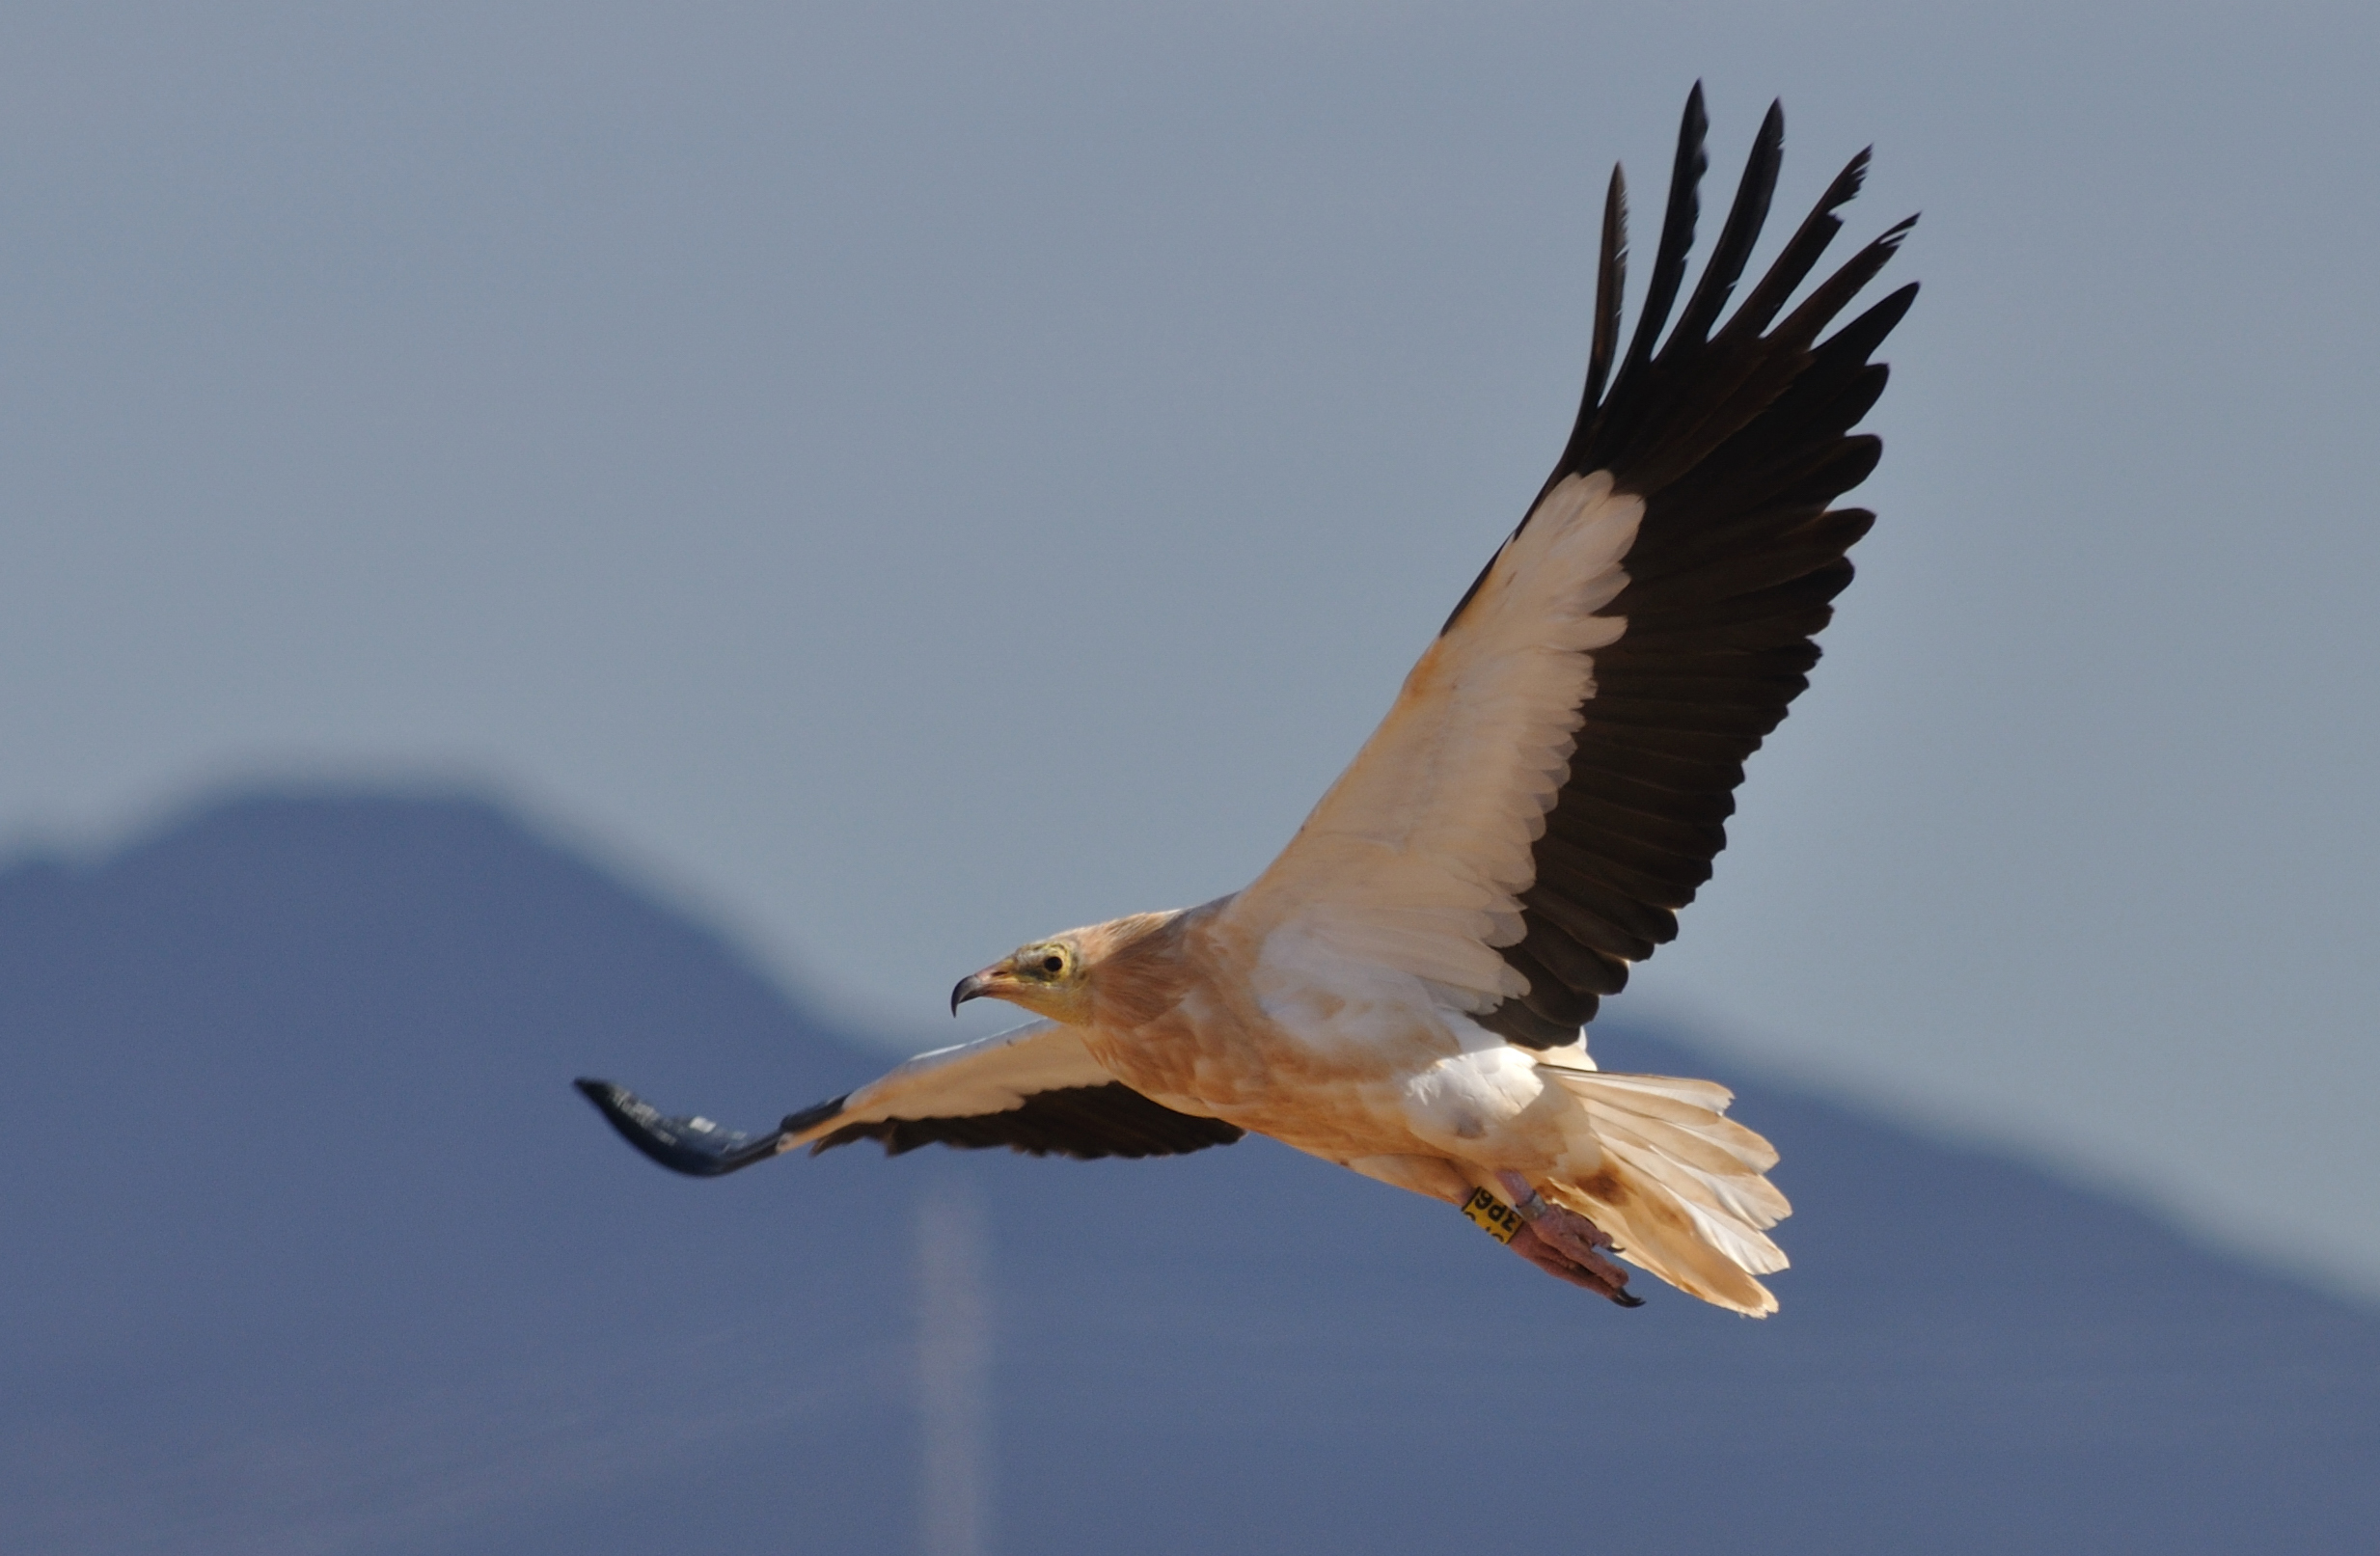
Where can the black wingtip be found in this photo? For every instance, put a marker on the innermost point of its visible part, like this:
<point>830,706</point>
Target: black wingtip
<point>1677,240</point>
<point>1745,217</point>
<point>1610,284</point>
<point>693,1146</point>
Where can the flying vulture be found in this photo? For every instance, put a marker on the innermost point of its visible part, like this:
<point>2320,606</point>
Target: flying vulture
<point>1403,991</point>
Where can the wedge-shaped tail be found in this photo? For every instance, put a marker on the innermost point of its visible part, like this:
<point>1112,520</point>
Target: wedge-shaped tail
<point>1680,1187</point>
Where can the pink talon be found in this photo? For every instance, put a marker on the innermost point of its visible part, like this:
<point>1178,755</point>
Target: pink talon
<point>1563,1244</point>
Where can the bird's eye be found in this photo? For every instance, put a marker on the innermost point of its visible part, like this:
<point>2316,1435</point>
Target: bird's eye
<point>1054,965</point>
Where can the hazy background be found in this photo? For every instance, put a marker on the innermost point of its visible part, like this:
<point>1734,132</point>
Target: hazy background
<point>310,1251</point>
<point>909,479</point>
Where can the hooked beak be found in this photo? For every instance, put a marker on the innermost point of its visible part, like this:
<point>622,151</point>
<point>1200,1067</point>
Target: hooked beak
<point>1018,980</point>
<point>976,985</point>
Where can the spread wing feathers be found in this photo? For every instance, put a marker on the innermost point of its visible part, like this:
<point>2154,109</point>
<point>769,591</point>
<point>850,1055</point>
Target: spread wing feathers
<point>1035,1090</point>
<point>1680,1187</point>
<point>1550,786</point>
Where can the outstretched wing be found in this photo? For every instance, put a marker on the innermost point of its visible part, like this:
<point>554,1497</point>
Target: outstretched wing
<point>1035,1090</point>
<point>1550,785</point>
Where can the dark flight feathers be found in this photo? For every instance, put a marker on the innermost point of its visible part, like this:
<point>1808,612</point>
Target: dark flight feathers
<point>1083,1122</point>
<point>1737,440</point>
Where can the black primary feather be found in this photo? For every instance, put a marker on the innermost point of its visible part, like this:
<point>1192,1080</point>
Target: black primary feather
<point>1736,432</point>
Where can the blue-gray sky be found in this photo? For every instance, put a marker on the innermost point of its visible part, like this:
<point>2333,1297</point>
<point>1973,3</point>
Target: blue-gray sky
<point>911,478</point>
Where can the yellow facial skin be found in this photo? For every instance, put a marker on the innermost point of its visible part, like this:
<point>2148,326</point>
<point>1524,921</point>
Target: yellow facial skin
<point>1046,979</point>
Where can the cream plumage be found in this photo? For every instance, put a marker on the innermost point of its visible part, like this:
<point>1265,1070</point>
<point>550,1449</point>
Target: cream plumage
<point>1402,990</point>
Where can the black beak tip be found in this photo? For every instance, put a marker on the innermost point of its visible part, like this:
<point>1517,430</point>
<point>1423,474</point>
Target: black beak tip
<point>962,992</point>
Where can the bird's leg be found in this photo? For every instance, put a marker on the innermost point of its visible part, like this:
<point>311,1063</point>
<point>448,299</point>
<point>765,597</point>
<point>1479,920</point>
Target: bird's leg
<point>1559,1264</point>
<point>1563,1244</point>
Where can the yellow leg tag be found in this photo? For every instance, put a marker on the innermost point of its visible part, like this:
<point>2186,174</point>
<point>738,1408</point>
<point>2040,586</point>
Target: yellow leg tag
<point>1492,1215</point>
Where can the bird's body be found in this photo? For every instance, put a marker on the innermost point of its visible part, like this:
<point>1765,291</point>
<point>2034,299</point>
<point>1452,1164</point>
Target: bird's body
<point>1222,1024</point>
<point>1339,1060</point>
<point>1403,991</point>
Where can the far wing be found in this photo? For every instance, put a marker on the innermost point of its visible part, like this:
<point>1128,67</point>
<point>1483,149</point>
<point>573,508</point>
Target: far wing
<point>1549,789</point>
<point>1035,1090</point>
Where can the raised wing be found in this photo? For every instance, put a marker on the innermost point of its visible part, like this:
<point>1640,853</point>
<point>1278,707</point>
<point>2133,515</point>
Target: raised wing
<point>1550,785</point>
<point>1035,1090</point>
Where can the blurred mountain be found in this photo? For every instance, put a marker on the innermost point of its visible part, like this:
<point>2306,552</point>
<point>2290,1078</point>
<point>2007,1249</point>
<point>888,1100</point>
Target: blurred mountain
<point>306,1245</point>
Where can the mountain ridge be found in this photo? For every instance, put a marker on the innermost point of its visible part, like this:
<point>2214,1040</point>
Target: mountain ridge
<point>315,1250</point>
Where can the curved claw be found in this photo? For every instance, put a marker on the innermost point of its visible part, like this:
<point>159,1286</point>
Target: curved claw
<point>1558,1263</point>
<point>1564,1244</point>
<point>691,1145</point>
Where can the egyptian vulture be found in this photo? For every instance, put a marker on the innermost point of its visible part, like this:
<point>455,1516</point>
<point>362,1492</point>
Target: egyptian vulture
<point>1403,991</point>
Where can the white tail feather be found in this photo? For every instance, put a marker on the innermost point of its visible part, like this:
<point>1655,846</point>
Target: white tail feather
<point>1680,1186</point>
